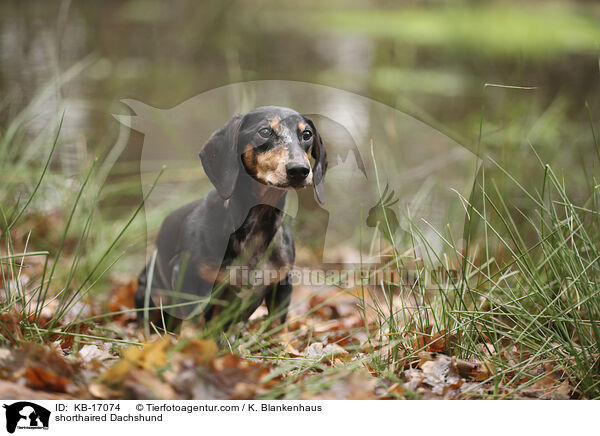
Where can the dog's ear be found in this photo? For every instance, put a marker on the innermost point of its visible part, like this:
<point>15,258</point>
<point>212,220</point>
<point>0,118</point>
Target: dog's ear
<point>220,158</point>
<point>319,153</point>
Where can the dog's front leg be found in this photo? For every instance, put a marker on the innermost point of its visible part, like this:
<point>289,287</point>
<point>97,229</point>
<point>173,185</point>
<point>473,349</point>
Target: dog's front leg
<point>278,299</point>
<point>161,319</point>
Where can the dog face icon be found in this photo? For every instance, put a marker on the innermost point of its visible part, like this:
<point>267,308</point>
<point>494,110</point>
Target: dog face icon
<point>26,414</point>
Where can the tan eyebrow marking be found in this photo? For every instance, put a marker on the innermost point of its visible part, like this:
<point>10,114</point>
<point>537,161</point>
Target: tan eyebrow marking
<point>274,124</point>
<point>301,125</point>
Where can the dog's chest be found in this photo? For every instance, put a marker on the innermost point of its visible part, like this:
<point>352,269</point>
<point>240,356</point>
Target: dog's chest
<point>258,252</point>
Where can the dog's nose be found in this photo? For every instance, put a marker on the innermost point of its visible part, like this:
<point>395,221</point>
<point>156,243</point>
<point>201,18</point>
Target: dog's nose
<point>297,172</point>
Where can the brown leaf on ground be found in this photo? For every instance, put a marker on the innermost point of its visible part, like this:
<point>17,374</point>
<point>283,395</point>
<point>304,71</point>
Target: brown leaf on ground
<point>16,391</point>
<point>202,351</point>
<point>104,392</point>
<point>40,378</point>
<point>67,340</point>
<point>239,377</point>
<point>66,334</point>
<point>193,373</point>
<point>290,341</point>
<point>482,371</point>
<point>137,374</point>
<point>94,356</point>
<point>352,385</point>
<point>149,357</point>
<point>319,351</point>
<point>122,298</point>
<point>439,342</point>
<point>423,338</point>
<point>322,308</point>
<point>549,386</point>
<point>441,374</point>
<point>144,385</point>
<point>10,326</point>
<point>40,367</point>
<point>226,377</point>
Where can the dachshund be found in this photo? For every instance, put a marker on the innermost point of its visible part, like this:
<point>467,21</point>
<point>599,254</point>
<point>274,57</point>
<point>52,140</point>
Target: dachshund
<point>207,249</point>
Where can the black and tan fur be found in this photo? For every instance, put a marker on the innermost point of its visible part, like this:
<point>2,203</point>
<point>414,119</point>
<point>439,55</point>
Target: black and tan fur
<point>251,161</point>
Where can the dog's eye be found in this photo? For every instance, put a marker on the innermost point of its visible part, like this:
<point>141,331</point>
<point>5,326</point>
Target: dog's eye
<point>265,132</point>
<point>306,135</point>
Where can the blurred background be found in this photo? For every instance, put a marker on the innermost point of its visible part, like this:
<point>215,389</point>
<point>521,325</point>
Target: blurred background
<point>430,59</point>
<point>465,102</point>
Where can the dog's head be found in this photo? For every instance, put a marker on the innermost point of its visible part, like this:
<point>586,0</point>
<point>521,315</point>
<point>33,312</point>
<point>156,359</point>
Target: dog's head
<point>273,145</point>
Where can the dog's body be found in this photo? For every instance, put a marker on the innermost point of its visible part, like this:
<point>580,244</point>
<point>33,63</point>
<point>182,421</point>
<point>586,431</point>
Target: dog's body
<point>239,226</point>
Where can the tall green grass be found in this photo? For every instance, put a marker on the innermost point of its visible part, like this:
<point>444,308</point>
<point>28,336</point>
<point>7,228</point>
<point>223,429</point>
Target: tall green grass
<point>80,244</point>
<point>525,276</point>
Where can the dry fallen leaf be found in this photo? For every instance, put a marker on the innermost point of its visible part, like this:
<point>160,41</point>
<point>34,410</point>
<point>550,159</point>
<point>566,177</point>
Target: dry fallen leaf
<point>482,371</point>
<point>352,385</point>
<point>122,298</point>
<point>150,356</point>
<point>441,374</point>
<point>440,342</point>
<point>202,351</point>
<point>144,385</point>
<point>16,391</point>
<point>102,391</point>
<point>95,353</point>
<point>227,377</point>
<point>40,378</point>
<point>10,326</point>
<point>318,351</point>
<point>40,367</point>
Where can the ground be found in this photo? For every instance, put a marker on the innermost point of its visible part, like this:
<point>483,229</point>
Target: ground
<point>325,351</point>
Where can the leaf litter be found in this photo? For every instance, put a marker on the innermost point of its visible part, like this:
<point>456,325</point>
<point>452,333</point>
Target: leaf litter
<point>327,351</point>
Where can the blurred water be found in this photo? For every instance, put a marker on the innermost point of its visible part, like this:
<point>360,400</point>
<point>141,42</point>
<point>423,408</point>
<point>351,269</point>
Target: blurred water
<point>425,60</point>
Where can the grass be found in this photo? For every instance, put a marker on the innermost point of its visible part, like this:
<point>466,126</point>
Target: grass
<point>524,279</point>
<point>542,297</point>
<point>36,194</point>
<point>528,277</point>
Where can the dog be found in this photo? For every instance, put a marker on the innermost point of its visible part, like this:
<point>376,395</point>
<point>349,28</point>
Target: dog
<point>252,161</point>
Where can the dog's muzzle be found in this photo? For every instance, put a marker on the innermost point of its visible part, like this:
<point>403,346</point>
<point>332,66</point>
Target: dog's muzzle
<point>297,173</point>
